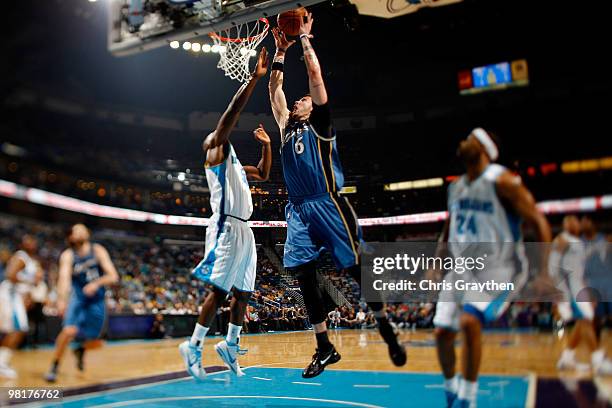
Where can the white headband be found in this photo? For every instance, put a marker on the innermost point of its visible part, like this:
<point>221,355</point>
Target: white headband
<point>488,143</point>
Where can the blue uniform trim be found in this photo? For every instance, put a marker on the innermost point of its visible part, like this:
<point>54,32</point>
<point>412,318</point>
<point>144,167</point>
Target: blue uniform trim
<point>514,222</point>
<point>576,311</point>
<point>205,267</point>
<point>490,314</point>
<point>474,312</point>
<point>16,325</point>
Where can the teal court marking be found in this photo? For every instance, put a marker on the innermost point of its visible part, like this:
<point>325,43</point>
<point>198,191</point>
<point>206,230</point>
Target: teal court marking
<point>284,387</point>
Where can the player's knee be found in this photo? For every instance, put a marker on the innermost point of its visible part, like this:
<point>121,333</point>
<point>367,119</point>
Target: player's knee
<point>470,322</point>
<point>70,331</point>
<point>240,296</point>
<point>306,276</point>
<point>443,334</point>
<point>219,296</point>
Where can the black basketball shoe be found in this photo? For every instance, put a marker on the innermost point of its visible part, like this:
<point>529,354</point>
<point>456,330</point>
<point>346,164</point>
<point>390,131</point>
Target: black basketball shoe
<point>319,361</point>
<point>79,353</point>
<point>397,352</point>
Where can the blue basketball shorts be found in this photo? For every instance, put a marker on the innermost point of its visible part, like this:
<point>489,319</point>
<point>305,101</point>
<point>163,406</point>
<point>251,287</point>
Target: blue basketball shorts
<point>323,221</point>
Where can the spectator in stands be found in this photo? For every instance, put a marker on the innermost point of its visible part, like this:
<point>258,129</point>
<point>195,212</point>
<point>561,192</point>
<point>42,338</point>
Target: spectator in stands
<point>334,318</point>
<point>158,330</point>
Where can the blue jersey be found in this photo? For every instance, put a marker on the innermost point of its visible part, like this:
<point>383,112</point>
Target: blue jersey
<point>86,269</point>
<point>311,165</point>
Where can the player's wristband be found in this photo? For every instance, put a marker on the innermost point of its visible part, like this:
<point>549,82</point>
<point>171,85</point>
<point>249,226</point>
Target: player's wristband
<point>277,66</point>
<point>302,36</point>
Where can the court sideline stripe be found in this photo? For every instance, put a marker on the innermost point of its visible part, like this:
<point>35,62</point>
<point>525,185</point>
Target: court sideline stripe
<point>204,397</point>
<point>530,401</point>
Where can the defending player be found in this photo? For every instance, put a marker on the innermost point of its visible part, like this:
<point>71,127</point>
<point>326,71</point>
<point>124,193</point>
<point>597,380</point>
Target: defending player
<point>566,265</point>
<point>23,272</point>
<point>486,205</point>
<point>87,267</point>
<point>230,259</point>
<point>317,216</point>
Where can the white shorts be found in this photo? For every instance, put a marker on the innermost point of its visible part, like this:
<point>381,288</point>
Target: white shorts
<point>488,306</point>
<point>230,257</point>
<point>13,316</point>
<point>573,310</point>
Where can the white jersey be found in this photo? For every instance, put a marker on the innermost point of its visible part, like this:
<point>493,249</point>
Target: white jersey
<point>229,188</point>
<point>27,276</point>
<point>477,216</point>
<point>567,267</point>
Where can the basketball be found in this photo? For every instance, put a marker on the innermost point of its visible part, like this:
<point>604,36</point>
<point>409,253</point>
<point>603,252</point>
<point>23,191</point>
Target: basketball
<point>289,21</point>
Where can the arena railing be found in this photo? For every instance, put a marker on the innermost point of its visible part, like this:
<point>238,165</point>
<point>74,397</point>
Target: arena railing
<point>37,196</point>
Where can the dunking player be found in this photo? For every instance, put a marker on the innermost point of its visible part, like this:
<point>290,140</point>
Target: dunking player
<point>566,265</point>
<point>485,205</point>
<point>23,272</point>
<point>316,215</point>
<point>230,259</point>
<point>87,267</point>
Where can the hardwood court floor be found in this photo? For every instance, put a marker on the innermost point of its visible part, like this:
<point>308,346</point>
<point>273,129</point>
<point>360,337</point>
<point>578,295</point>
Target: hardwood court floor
<point>504,353</point>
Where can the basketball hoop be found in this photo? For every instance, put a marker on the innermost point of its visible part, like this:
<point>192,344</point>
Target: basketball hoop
<point>237,45</point>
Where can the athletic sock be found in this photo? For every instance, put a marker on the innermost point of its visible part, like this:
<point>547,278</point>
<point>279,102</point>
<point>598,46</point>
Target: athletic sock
<point>323,343</point>
<point>468,391</point>
<point>5,356</point>
<point>452,385</point>
<point>597,357</point>
<point>54,365</point>
<point>233,331</point>
<point>568,355</point>
<point>199,333</point>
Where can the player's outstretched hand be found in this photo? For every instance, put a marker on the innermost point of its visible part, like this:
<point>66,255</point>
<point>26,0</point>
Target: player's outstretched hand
<point>280,39</point>
<point>261,135</point>
<point>90,289</point>
<point>306,25</point>
<point>262,63</point>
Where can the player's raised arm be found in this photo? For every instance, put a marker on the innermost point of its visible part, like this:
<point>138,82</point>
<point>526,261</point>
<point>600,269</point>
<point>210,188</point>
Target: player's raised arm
<point>277,95</point>
<point>315,77</point>
<point>512,189</point>
<point>262,171</point>
<point>229,118</point>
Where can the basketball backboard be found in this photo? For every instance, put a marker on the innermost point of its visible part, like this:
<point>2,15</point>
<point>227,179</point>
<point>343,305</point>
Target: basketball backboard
<point>396,8</point>
<point>140,25</point>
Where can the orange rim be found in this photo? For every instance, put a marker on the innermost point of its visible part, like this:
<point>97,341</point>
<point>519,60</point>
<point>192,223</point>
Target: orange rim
<point>244,39</point>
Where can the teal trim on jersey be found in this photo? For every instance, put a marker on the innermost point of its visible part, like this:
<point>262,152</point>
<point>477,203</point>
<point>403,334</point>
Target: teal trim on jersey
<point>492,311</point>
<point>16,325</point>
<point>208,263</point>
<point>514,222</point>
<point>576,312</point>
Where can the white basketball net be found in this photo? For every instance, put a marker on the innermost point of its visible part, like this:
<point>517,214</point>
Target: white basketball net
<point>237,46</point>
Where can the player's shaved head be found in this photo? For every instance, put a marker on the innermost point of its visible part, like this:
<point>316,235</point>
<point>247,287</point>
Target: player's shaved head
<point>571,224</point>
<point>29,243</point>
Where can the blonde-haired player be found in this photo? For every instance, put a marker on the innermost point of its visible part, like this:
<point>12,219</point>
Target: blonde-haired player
<point>88,269</point>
